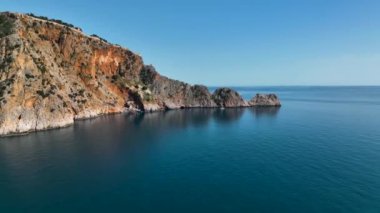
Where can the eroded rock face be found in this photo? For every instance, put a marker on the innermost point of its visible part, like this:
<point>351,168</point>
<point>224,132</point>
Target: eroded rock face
<point>226,97</point>
<point>172,94</point>
<point>265,100</point>
<point>52,74</point>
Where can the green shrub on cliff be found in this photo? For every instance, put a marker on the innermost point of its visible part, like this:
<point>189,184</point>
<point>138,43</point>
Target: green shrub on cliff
<point>148,97</point>
<point>85,76</point>
<point>54,20</point>
<point>96,36</point>
<point>147,74</point>
<point>6,25</point>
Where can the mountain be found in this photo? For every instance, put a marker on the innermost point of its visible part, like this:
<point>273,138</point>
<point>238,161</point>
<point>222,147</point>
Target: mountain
<point>51,74</point>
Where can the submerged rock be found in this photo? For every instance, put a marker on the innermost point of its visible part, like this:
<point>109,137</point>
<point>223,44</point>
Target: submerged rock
<point>265,100</point>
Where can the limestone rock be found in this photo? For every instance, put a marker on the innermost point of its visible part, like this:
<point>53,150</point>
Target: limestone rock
<point>226,97</point>
<point>172,94</point>
<point>52,74</point>
<point>265,100</point>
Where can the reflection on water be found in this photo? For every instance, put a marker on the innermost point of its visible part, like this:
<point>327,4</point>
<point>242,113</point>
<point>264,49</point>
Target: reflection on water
<point>107,133</point>
<point>264,111</point>
<point>174,119</point>
<point>115,126</point>
<point>93,155</point>
<point>228,115</point>
<point>199,117</point>
<point>302,157</point>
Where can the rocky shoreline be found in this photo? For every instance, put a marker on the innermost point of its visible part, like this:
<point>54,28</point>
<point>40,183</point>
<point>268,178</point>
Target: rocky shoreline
<point>52,74</point>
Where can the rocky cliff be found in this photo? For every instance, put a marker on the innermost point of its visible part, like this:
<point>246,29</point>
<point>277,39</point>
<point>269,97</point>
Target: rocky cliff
<point>51,74</point>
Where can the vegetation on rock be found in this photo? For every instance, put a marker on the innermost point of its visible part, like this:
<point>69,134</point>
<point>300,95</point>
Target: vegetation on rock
<point>6,25</point>
<point>96,36</point>
<point>62,75</point>
<point>54,20</point>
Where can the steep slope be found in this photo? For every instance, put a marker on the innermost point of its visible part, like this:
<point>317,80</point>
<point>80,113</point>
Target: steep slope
<point>51,73</point>
<point>171,94</point>
<point>226,97</point>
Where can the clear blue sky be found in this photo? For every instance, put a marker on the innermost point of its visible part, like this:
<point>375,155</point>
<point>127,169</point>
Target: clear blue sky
<point>217,42</point>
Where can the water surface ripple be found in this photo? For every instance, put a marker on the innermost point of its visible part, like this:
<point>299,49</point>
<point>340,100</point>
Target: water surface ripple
<point>319,152</point>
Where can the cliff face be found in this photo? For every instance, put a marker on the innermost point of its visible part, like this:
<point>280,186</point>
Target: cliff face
<point>52,74</point>
<point>171,94</point>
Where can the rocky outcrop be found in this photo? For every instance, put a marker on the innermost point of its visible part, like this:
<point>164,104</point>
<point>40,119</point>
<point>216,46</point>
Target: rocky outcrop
<point>51,74</point>
<point>226,97</point>
<point>166,93</point>
<point>265,100</point>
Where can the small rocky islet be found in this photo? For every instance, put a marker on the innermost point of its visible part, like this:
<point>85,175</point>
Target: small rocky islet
<point>52,74</point>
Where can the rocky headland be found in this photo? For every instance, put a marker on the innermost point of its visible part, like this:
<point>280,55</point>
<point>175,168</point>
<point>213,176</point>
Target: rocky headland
<point>52,74</point>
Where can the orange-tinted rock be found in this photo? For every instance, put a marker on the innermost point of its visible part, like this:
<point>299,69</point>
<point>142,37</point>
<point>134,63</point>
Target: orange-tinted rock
<point>52,74</point>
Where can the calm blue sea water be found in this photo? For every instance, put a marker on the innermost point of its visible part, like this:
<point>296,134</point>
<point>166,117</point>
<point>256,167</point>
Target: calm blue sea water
<point>320,152</point>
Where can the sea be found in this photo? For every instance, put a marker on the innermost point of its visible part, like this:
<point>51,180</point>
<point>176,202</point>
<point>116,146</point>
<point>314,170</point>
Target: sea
<point>319,152</point>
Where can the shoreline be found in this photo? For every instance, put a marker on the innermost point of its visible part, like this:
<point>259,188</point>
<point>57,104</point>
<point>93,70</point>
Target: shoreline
<point>19,134</point>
